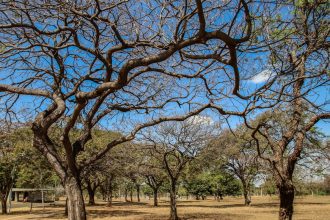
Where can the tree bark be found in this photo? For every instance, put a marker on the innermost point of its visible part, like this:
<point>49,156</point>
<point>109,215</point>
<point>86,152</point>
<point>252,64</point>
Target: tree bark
<point>246,193</point>
<point>4,194</point>
<point>91,194</point>
<point>138,192</point>
<point>76,206</point>
<point>103,192</point>
<point>126,194</point>
<point>109,196</point>
<point>66,207</point>
<point>173,212</point>
<point>3,204</point>
<point>247,200</point>
<point>286,191</point>
<point>91,198</point>
<point>155,196</point>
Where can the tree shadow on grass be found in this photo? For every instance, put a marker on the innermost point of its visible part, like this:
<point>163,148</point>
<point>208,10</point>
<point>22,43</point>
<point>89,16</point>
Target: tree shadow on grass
<point>276,204</point>
<point>311,203</point>
<point>257,205</point>
<point>113,213</point>
<point>40,214</point>
<point>212,206</point>
<point>211,216</point>
<point>197,216</point>
<point>51,214</point>
<point>120,204</point>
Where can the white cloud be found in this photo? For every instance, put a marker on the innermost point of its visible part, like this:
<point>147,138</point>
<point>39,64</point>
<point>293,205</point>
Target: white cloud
<point>198,119</point>
<point>263,76</point>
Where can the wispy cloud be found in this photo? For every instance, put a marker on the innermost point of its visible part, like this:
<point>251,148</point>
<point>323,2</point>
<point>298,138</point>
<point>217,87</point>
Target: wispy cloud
<point>263,76</point>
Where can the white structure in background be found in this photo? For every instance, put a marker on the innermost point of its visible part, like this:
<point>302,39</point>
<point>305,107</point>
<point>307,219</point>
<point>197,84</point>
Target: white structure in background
<point>33,195</point>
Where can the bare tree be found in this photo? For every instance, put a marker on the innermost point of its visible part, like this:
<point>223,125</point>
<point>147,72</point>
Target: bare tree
<point>154,174</point>
<point>235,151</point>
<point>299,72</point>
<point>92,62</point>
<point>175,144</point>
<point>155,181</point>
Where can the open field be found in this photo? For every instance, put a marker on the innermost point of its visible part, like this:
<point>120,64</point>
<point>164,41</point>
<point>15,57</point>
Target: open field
<point>262,208</point>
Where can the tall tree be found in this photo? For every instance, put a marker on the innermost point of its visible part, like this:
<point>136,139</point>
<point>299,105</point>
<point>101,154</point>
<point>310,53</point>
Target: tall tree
<point>284,145</point>
<point>93,62</point>
<point>297,39</point>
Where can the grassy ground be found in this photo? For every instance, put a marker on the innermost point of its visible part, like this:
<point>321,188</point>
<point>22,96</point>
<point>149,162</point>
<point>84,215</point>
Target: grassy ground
<point>262,208</point>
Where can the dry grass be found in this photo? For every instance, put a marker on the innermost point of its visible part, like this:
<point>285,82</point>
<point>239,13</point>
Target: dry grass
<point>262,208</point>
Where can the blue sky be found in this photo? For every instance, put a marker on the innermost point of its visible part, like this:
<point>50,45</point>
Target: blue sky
<point>320,96</point>
<point>256,81</point>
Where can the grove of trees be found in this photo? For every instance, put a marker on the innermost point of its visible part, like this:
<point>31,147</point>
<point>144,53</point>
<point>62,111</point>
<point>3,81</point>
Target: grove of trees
<point>203,96</point>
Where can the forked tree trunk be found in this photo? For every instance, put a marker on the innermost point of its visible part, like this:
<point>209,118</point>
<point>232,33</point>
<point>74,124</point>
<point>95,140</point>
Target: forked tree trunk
<point>76,206</point>
<point>4,194</point>
<point>286,191</point>
<point>131,195</point>
<point>155,196</point>
<point>173,211</point>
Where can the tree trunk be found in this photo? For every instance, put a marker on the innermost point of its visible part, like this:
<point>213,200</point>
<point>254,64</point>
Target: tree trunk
<point>155,197</point>
<point>3,204</point>
<point>109,200</point>
<point>131,195</point>
<point>109,196</point>
<point>126,194</point>
<point>103,193</point>
<point>91,195</point>
<point>173,213</point>
<point>76,206</point>
<point>247,199</point>
<point>138,192</point>
<point>66,207</point>
<point>246,193</point>
<point>286,191</point>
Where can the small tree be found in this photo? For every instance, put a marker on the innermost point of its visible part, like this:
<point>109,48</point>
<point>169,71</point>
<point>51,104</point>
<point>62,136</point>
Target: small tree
<point>176,144</point>
<point>9,162</point>
<point>235,150</point>
<point>154,175</point>
<point>7,177</point>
